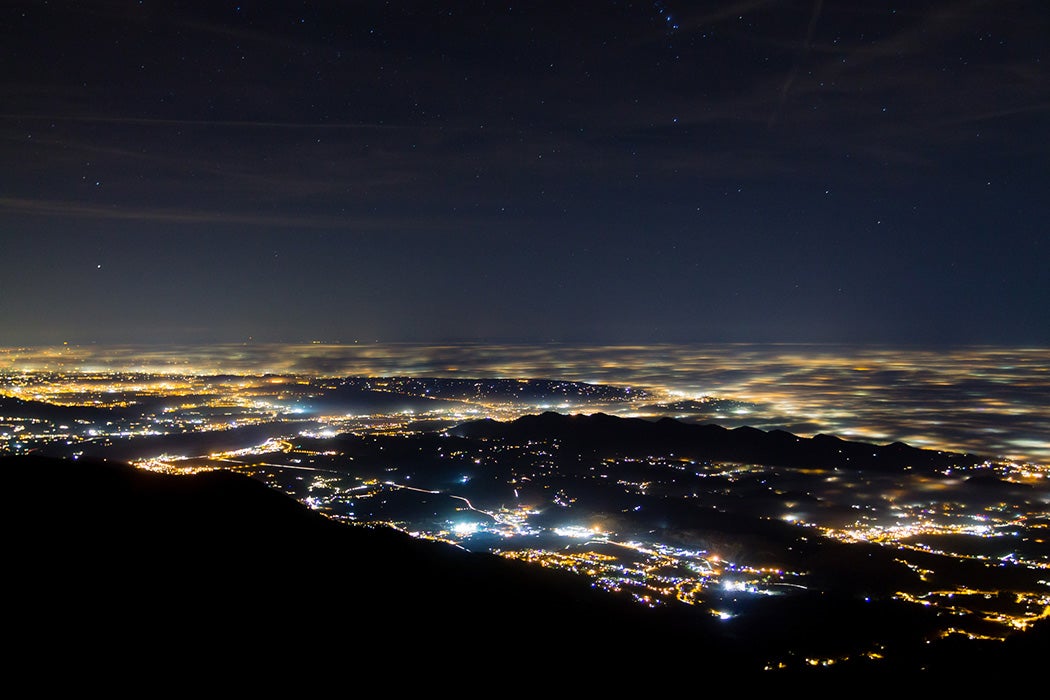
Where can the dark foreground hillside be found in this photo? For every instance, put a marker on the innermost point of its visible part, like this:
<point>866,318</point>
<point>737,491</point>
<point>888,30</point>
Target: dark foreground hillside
<point>116,573</point>
<point>104,560</point>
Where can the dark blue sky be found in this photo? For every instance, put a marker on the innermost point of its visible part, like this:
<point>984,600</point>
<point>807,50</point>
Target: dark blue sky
<point>607,172</point>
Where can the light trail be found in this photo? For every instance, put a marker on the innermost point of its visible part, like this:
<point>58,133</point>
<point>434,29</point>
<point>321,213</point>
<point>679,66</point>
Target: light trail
<point>277,466</point>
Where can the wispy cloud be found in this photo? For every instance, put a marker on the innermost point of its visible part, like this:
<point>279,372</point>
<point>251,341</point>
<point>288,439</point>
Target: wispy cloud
<point>61,208</point>
<point>804,49</point>
<point>239,124</point>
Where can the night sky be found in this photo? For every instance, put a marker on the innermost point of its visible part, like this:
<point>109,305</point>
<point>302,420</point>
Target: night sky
<point>606,172</point>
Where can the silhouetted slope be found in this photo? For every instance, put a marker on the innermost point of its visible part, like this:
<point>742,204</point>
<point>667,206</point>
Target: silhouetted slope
<point>114,574</point>
<point>606,435</point>
<point>221,564</point>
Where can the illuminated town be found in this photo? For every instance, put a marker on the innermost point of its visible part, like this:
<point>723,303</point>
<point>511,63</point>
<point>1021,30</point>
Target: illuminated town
<point>968,541</point>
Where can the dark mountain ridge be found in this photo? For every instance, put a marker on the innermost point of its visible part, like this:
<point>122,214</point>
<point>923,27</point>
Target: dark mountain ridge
<point>603,434</point>
<point>225,565</point>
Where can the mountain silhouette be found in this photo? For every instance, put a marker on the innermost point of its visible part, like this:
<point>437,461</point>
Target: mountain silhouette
<point>217,564</point>
<point>605,434</point>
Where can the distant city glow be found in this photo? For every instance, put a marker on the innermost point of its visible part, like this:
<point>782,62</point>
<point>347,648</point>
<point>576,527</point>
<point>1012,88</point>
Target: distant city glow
<point>576,531</point>
<point>334,461</point>
<point>464,529</point>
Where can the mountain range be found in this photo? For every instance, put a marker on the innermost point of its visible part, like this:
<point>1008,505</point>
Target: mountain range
<point>602,434</point>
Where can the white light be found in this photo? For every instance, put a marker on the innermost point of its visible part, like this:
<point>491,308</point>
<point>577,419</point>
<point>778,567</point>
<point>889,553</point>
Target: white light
<point>575,531</point>
<point>464,529</point>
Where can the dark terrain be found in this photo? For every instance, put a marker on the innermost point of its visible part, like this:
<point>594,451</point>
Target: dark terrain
<point>106,564</point>
<point>603,434</point>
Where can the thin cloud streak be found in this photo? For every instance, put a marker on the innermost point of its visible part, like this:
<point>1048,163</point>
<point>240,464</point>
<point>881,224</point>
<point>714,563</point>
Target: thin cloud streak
<point>150,121</point>
<point>56,208</point>
<point>786,88</point>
